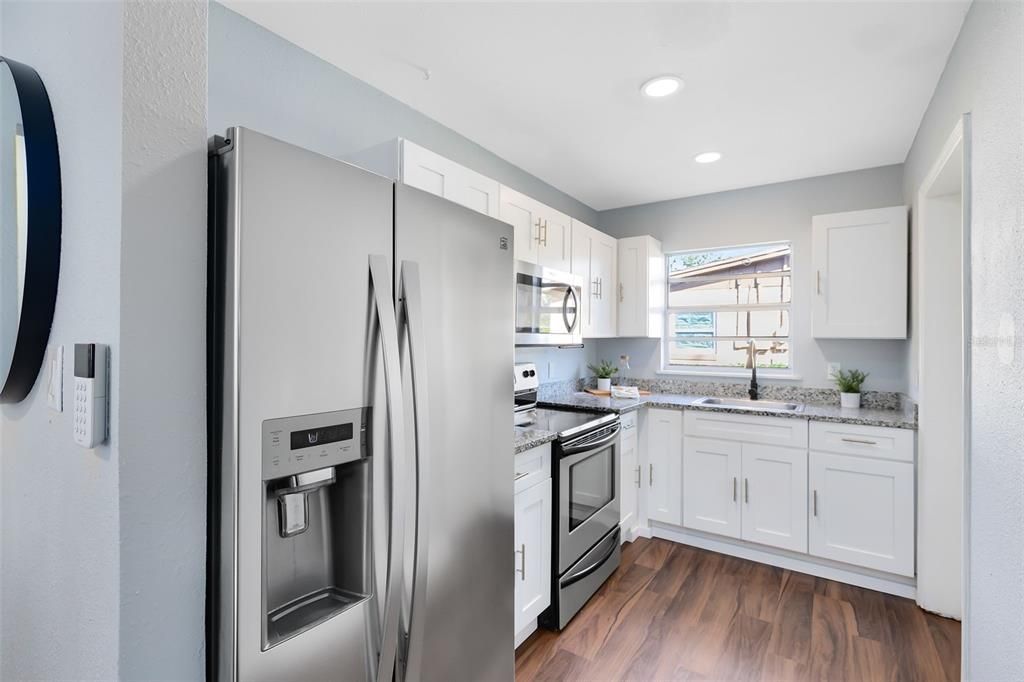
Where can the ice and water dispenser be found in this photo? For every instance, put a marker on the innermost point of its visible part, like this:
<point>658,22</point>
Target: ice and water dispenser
<point>316,520</point>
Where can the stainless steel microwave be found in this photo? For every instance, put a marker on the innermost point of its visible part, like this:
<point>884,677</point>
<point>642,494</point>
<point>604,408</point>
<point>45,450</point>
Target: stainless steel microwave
<point>547,307</point>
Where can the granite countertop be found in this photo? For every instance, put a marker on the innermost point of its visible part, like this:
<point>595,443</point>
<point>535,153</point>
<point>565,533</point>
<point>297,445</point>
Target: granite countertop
<point>526,438</point>
<point>901,419</point>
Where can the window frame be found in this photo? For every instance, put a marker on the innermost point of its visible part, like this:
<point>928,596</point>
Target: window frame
<point>721,370</point>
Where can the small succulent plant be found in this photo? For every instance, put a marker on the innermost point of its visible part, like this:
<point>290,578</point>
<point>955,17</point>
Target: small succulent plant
<point>850,381</point>
<point>604,369</point>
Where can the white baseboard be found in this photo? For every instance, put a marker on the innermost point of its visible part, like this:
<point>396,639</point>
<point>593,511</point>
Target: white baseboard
<point>526,632</point>
<point>802,563</point>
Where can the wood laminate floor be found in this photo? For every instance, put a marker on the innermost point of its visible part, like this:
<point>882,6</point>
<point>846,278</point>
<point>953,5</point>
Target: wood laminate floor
<point>673,612</point>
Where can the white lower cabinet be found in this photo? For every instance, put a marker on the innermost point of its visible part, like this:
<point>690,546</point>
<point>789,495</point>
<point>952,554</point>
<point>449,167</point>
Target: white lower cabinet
<point>711,477</point>
<point>746,490</point>
<point>532,537</point>
<point>664,465</point>
<point>629,476</point>
<point>775,496</point>
<point>862,511</point>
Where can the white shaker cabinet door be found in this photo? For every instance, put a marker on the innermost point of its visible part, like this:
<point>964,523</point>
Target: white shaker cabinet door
<point>862,511</point>
<point>524,214</point>
<point>711,485</point>
<point>860,274</point>
<point>423,169</point>
<point>629,476</point>
<point>532,553</point>
<point>665,465</point>
<point>774,494</point>
<point>554,246</point>
<point>594,257</point>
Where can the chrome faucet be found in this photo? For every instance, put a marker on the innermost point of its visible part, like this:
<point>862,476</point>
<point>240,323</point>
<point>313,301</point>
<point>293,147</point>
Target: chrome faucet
<point>752,359</point>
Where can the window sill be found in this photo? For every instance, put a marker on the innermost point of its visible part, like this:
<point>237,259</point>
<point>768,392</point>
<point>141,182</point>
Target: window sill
<point>745,374</point>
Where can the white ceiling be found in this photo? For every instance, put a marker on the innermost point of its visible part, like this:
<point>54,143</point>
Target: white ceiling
<point>784,90</point>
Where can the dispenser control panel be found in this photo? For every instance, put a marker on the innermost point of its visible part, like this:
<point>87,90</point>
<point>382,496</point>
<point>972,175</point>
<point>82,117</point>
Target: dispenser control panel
<point>292,445</point>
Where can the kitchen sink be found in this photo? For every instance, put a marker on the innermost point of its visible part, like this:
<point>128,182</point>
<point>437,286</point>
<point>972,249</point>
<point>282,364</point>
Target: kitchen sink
<point>744,404</point>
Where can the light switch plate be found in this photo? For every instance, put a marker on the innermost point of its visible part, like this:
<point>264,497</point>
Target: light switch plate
<point>55,377</point>
<point>833,370</point>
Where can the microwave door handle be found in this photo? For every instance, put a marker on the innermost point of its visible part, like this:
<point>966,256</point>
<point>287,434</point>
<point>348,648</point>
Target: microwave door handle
<point>380,282</point>
<point>411,300</point>
<point>570,293</point>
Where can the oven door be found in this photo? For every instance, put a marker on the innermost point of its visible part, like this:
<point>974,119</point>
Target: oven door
<point>547,307</point>
<point>588,493</point>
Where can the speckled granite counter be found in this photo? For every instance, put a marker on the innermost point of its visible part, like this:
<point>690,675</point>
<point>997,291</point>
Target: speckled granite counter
<point>526,438</point>
<point>904,418</point>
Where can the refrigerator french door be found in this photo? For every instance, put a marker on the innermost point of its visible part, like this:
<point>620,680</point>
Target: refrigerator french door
<point>360,428</point>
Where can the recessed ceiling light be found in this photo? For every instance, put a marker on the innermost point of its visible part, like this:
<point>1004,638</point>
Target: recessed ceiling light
<point>707,157</point>
<point>661,86</point>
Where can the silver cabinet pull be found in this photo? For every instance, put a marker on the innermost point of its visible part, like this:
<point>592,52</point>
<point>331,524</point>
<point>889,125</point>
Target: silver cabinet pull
<point>621,295</point>
<point>746,491</point>
<point>520,475</point>
<point>538,237</point>
<point>637,475</point>
<point>545,228</point>
<point>819,282</point>
<point>733,488</point>
<point>650,475</point>
<point>522,563</point>
<point>859,441</point>
<point>814,498</point>
<point>595,288</point>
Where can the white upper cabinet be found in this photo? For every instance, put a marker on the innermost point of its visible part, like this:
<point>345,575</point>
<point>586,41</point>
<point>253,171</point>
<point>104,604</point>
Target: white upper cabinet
<point>542,235</point>
<point>418,167</point>
<point>594,258</point>
<point>860,274</point>
<point>641,293</point>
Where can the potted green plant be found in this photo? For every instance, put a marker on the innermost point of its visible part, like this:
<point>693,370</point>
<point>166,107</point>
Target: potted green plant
<point>849,383</point>
<point>604,371</point>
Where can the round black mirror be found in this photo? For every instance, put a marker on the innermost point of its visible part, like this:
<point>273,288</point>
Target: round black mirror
<point>30,213</point>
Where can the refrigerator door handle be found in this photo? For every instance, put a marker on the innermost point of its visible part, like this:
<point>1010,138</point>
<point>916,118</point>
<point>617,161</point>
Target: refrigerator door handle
<point>380,282</point>
<point>411,314</point>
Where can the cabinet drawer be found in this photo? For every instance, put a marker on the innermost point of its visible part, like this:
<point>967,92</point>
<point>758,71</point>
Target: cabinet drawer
<point>532,467</point>
<point>866,441</point>
<point>784,431</point>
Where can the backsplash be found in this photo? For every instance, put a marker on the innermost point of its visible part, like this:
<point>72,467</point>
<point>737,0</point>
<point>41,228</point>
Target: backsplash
<point>877,400</point>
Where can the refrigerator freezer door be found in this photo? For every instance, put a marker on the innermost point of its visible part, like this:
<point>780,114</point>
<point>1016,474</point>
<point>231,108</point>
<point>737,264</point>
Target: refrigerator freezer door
<point>466,283</point>
<point>300,338</point>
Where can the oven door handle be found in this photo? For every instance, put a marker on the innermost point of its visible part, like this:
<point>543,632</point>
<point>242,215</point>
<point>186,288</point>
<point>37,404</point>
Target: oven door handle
<point>583,445</point>
<point>579,575</point>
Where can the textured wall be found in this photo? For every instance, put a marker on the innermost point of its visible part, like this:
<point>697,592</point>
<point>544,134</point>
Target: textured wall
<point>59,575</point>
<point>762,214</point>
<point>984,77</point>
<point>163,341</point>
<point>261,81</point>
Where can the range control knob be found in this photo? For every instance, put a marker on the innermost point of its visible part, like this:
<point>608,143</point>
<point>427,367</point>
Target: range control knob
<point>526,373</point>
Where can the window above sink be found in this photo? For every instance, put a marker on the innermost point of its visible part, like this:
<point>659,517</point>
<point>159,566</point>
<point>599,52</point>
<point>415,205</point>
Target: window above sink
<point>720,300</point>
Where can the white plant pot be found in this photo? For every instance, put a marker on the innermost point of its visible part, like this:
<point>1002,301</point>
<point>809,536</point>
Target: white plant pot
<point>604,384</point>
<point>850,400</point>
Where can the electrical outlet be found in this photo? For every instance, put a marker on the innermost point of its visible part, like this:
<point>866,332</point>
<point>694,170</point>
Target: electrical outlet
<point>833,370</point>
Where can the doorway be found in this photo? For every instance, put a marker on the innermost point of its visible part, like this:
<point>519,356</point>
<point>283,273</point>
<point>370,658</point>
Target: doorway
<point>943,325</point>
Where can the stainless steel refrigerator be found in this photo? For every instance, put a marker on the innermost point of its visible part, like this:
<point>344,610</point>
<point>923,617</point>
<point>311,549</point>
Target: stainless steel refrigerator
<point>361,520</point>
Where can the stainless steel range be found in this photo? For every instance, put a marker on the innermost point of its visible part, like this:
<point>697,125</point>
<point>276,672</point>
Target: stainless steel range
<point>585,533</point>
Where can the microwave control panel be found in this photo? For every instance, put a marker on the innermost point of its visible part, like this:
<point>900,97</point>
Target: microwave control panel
<point>292,445</point>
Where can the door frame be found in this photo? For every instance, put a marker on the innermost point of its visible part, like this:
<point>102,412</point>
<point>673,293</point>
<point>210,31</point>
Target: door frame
<point>956,150</point>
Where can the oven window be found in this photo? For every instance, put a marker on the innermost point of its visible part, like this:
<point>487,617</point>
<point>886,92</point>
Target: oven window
<point>591,485</point>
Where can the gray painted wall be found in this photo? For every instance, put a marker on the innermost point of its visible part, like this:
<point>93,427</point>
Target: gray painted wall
<point>767,213</point>
<point>262,81</point>
<point>163,342</point>
<point>985,76</point>
<point>58,502</point>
